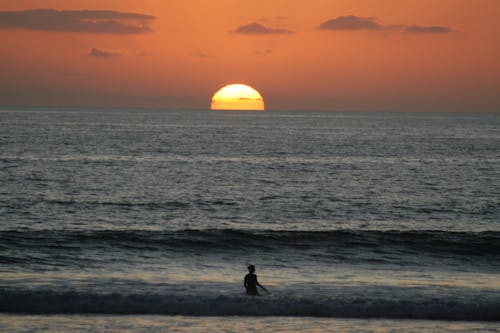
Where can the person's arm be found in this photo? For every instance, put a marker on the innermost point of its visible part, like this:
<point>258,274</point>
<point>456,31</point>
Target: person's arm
<point>263,288</point>
<point>245,282</point>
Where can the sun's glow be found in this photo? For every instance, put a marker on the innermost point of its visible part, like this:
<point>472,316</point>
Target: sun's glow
<point>237,97</point>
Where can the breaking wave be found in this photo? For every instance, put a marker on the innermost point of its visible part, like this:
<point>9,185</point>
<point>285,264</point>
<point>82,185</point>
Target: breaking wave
<point>408,242</point>
<point>411,307</point>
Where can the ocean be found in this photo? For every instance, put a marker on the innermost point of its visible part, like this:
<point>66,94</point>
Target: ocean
<point>146,220</point>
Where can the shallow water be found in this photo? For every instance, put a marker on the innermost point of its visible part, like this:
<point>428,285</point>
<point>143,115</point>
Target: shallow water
<point>138,323</point>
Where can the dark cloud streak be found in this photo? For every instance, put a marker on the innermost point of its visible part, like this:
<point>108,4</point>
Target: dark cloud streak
<point>355,23</point>
<point>416,29</point>
<point>259,29</point>
<point>96,53</point>
<point>79,21</point>
<point>351,22</point>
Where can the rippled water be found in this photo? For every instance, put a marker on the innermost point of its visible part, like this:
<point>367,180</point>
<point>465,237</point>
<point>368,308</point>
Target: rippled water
<point>354,215</point>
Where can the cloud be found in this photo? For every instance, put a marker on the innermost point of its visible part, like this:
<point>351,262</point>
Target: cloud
<point>80,21</point>
<point>263,52</point>
<point>417,29</point>
<point>96,53</point>
<point>259,29</point>
<point>144,54</point>
<point>203,55</point>
<point>351,22</point>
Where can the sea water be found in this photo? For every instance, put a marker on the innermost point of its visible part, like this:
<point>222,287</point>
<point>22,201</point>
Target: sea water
<point>394,216</point>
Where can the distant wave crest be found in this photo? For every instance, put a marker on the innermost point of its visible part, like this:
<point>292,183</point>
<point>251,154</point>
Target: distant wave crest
<point>407,242</point>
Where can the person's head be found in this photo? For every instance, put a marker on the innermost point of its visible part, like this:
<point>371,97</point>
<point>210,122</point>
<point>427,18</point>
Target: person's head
<point>251,268</point>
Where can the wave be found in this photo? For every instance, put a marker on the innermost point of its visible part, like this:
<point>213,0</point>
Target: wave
<point>403,242</point>
<point>410,307</point>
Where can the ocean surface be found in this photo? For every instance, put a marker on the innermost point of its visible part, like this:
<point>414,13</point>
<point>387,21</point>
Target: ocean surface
<point>355,221</point>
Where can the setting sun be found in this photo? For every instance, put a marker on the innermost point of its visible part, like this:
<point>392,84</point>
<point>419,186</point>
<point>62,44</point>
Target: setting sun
<point>237,97</point>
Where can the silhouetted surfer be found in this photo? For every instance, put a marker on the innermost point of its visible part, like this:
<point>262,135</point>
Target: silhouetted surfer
<point>251,282</point>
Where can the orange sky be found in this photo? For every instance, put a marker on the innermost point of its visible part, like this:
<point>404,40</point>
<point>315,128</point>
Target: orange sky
<point>411,55</point>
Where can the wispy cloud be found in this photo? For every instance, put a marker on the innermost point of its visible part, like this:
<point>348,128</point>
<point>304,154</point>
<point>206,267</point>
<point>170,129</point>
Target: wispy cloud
<point>351,22</point>
<point>96,53</point>
<point>203,55</point>
<point>256,28</point>
<point>263,52</point>
<point>355,23</point>
<point>418,29</point>
<point>80,21</point>
<point>144,53</point>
